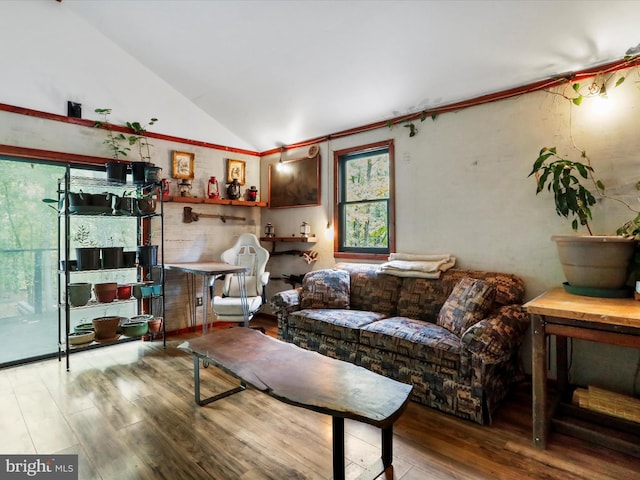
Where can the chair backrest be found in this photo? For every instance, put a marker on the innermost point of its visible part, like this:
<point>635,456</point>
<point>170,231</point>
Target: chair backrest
<point>247,252</point>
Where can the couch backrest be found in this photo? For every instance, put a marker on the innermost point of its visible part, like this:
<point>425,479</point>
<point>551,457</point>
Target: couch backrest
<point>420,298</point>
<point>371,291</point>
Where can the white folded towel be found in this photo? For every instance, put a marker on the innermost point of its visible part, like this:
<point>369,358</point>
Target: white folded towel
<point>423,266</point>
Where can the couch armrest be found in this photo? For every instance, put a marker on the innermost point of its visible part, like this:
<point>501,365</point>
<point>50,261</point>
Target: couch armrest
<point>282,304</point>
<point>495,338</point>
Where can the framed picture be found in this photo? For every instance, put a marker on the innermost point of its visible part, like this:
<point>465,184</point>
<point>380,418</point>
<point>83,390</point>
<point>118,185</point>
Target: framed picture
<point>236,170</point>
<point>183,165</point>
<point>295,183</point>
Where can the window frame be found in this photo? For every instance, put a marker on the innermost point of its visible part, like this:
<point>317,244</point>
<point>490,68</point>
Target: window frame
<point>338,189</point>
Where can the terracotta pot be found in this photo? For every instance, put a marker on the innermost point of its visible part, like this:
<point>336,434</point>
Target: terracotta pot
<point>123,292</point>
<point>106,328</point>
<point>105,292</point>
<point>155,324</point>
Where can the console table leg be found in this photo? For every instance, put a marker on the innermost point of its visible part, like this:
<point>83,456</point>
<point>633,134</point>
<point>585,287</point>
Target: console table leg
<point>539,378</point>
<point>387,446</point>
<point>338,448</point>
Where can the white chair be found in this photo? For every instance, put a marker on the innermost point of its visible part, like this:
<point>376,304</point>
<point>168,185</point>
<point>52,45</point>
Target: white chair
<point>247,252</point>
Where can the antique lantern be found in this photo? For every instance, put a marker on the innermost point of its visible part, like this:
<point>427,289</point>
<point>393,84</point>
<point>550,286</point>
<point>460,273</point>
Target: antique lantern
<point>185,187</point>
<point>233,190</point>
<point>213,190</point>
<point>252,194</point>
<point>305,229</point>
<point>269,230</point>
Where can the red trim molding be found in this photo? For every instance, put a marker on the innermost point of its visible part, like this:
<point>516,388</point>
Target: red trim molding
<point>118,128</point>
<point>51,156</point>
<point>491,97</point>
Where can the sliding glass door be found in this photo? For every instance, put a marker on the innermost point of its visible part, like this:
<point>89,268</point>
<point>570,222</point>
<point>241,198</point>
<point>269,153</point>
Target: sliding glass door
<point>28,260</point>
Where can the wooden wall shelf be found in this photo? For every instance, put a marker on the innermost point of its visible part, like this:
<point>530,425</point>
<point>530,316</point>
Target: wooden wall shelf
<point>223,201</point>
<point>290,239</point>
<point>309,255</point>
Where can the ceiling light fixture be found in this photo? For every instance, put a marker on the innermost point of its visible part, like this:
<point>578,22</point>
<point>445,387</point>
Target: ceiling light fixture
<point>280,166</point>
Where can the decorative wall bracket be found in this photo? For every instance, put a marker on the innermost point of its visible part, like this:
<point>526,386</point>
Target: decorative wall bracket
<point>189,216</point>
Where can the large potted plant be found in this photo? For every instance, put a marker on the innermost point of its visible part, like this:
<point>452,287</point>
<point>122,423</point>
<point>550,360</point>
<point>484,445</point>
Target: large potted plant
<point>597,265</point>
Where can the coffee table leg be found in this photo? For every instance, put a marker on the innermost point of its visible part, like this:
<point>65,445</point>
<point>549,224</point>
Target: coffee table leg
<point>338,448</point>
<point>219,396</point>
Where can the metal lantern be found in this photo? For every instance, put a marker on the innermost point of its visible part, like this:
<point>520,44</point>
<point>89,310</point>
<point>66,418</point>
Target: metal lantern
<point>233,190</point>
<point>185,187</point>
<point>213,190</point>
<point>269,230</point>
<point>305,229</point>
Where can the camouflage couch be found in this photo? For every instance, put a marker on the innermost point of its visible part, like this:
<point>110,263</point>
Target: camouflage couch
<point>456,339</point>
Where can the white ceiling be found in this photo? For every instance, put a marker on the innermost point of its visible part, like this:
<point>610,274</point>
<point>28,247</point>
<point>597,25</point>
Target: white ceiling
<point>282,71</point>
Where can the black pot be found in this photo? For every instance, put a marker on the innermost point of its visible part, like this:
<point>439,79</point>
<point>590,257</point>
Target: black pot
<point>127,206</point>
<point>112,257</point>
<point>138,172</point>
<point>79,201</point>
<point>117,172</point>
<point>148,255</point>
<point>129,259</point>
<point>104,202</point>
<point>152,174</point>
<point>88,258</point>
<point>146,204</point>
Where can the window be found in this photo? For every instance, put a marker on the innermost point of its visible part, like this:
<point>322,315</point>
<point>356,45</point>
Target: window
<point>364,203</point>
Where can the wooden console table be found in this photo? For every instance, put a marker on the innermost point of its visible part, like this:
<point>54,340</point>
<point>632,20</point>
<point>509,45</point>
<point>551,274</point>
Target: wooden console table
<point>606,320</point>
<point>305,379</point>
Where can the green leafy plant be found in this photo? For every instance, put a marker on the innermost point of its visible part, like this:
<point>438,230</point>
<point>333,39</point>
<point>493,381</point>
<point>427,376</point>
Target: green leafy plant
<point>113,140</point>
<point>140,138</point>
<point>564,178</point>
<point>82,236</point>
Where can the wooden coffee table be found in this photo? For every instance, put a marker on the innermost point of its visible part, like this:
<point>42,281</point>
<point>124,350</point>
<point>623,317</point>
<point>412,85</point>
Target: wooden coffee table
<point>305,379</point>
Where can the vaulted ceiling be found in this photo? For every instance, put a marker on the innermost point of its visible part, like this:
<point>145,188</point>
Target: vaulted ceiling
<point>282,71</point>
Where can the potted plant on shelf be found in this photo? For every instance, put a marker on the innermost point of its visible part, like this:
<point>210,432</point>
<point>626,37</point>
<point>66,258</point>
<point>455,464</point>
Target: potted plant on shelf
<point>88,252</point>
<point>116,170</point>
<point>143,171</point>
<point>596,265</point>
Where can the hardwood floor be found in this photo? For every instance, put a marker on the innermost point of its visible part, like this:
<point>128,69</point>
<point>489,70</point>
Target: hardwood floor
<point>128,412</point>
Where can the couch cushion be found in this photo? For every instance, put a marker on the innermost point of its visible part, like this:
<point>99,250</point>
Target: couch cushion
<point>495,338</point>
<point>413,338</point>
<point>337,323</point>
<point>372,291</point>
<point>469,302</point>
<point>328,288</point>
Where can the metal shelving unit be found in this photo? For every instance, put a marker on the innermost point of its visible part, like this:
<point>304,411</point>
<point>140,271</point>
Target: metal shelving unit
<point>153,305</point>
